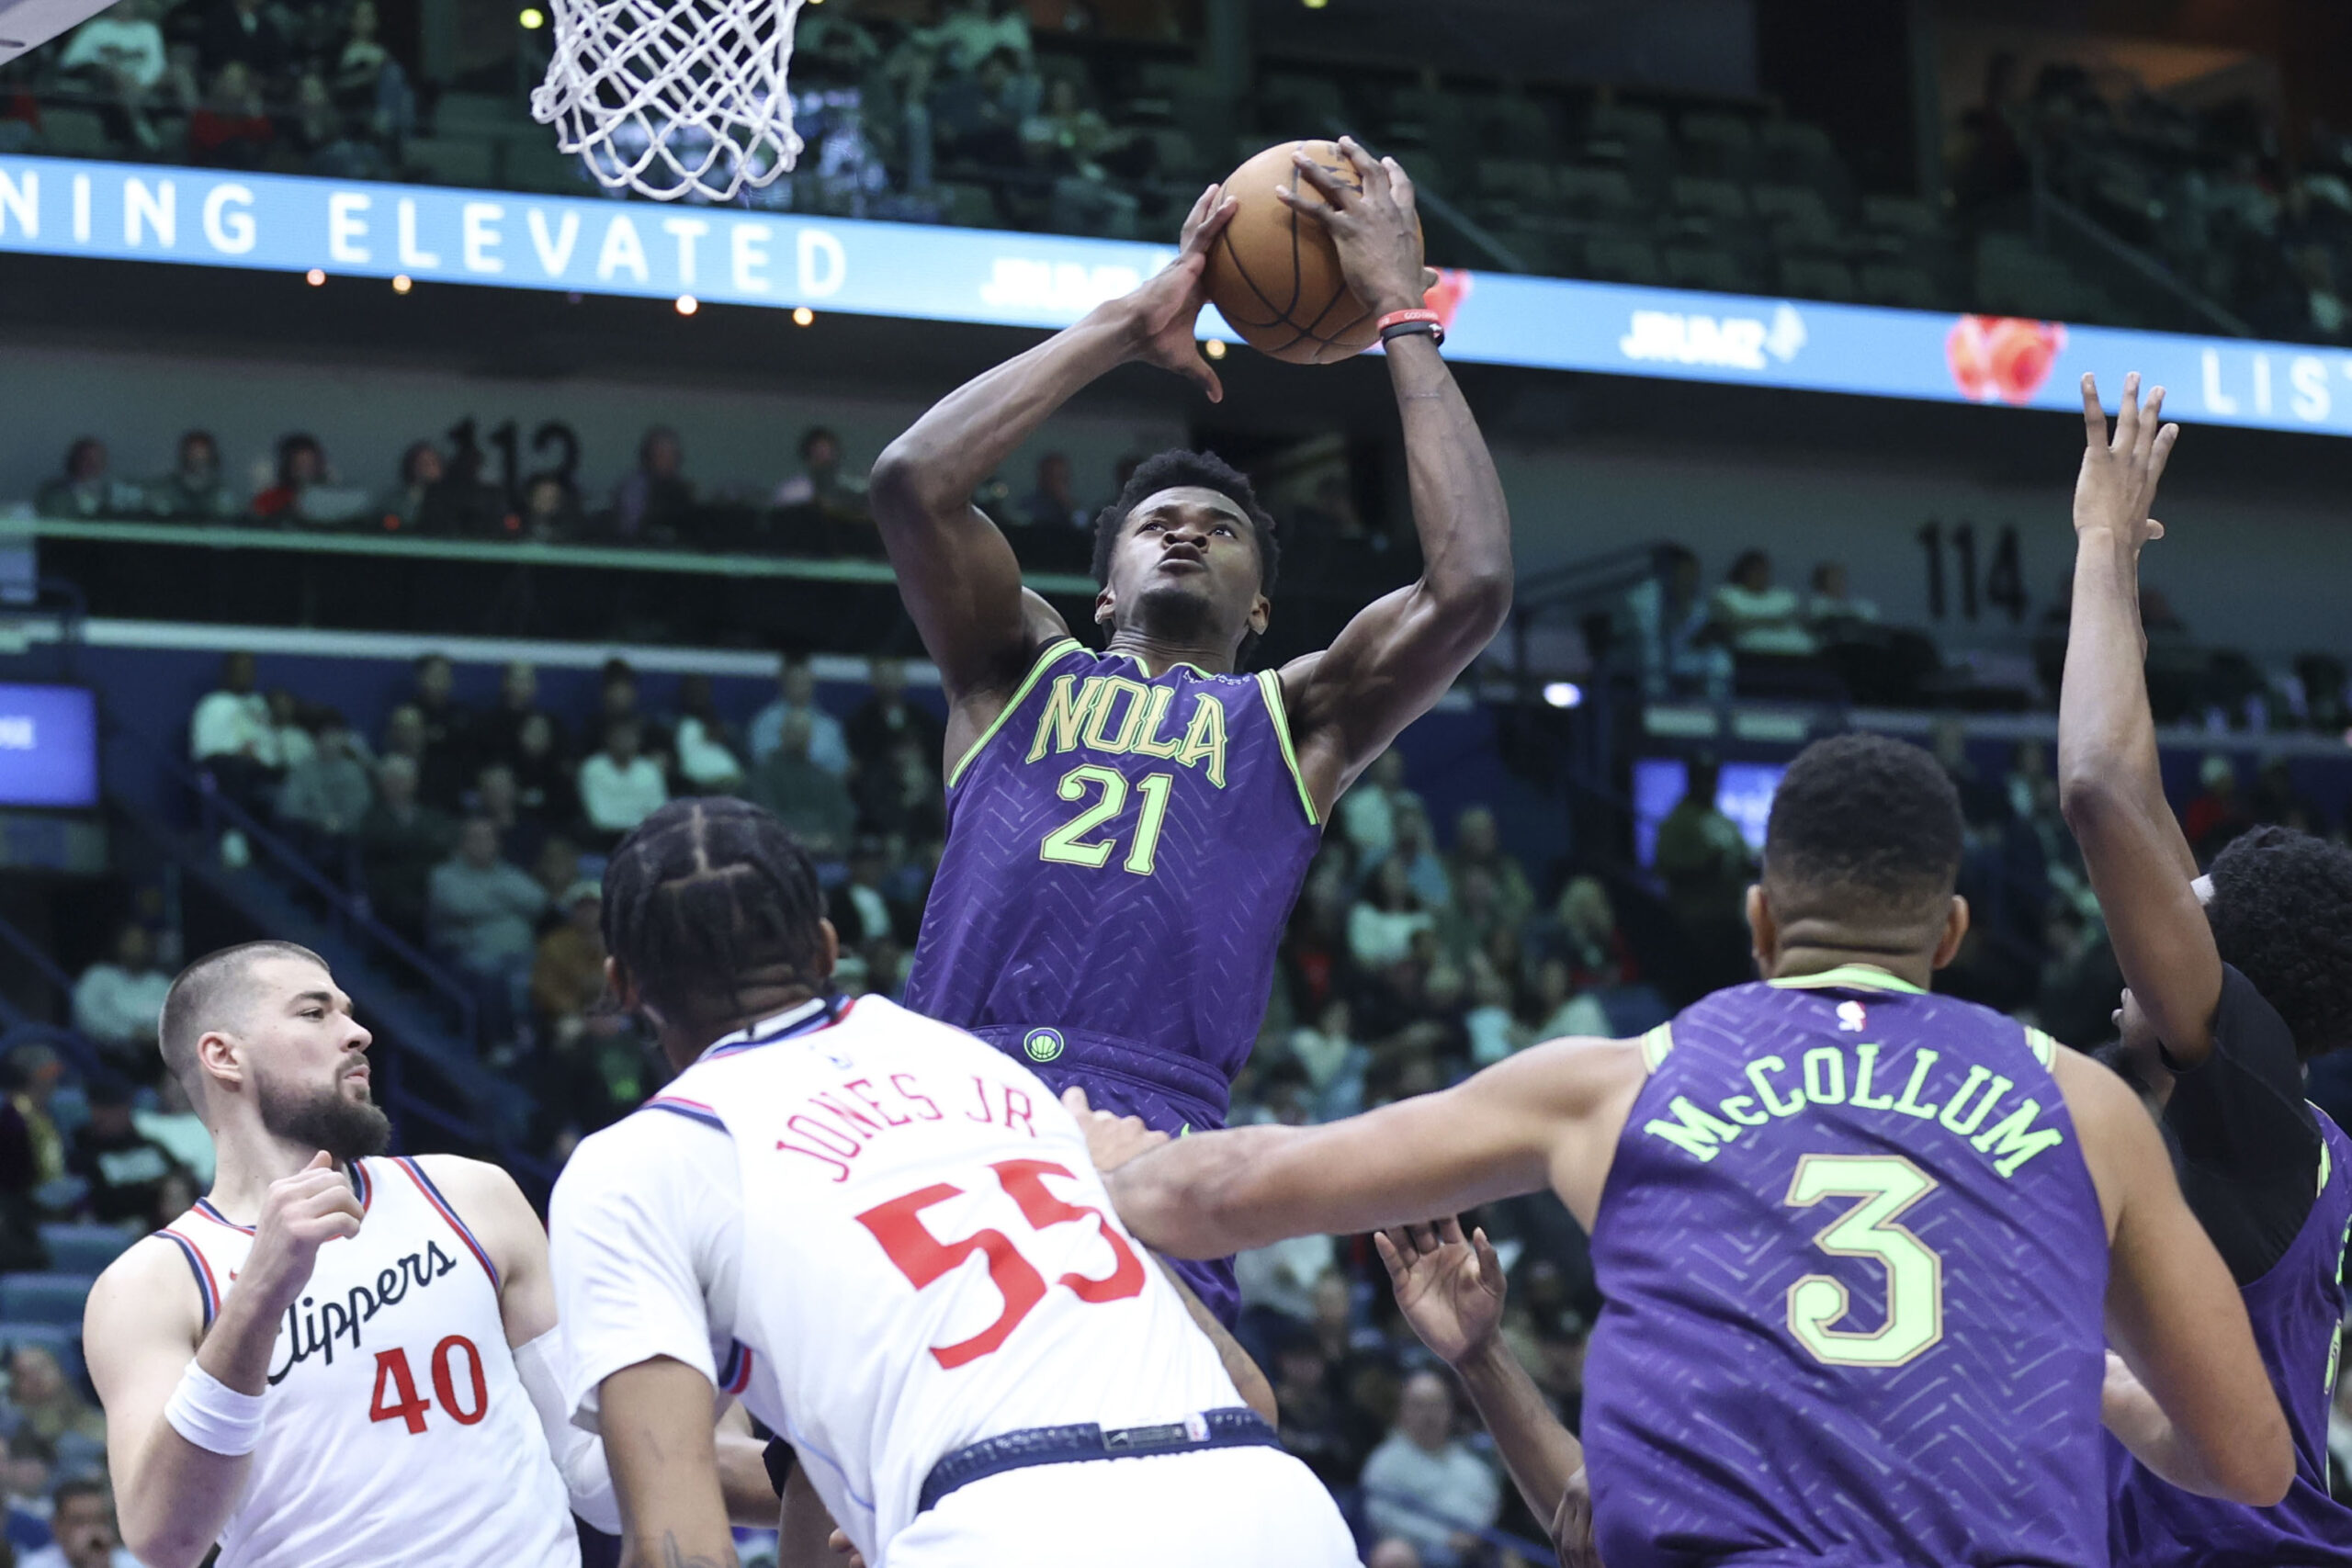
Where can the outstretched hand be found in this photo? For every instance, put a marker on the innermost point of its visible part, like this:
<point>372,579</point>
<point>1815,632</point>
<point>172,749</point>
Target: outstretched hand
<point>1450,1290</point>
<point>1370,221</point>
<point>2118,484</point>
<point>1168,308</point>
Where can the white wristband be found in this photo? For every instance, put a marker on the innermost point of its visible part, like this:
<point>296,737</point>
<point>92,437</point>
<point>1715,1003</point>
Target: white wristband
<point>212,1416</point>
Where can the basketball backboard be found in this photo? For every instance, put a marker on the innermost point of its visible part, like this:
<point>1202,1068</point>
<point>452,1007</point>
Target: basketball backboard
<point>28,24</point>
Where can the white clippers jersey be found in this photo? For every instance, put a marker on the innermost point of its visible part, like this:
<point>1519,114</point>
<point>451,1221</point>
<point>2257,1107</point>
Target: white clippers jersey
<point>396,1429</point>
<point>926,1256</point>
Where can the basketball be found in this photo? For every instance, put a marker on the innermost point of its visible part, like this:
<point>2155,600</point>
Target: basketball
<point>1276,276</point>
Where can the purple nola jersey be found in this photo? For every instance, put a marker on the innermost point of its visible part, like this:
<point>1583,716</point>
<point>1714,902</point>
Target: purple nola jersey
<point>1123,853</point>
<point>1854,1267</point>
<point>2297,1308</point>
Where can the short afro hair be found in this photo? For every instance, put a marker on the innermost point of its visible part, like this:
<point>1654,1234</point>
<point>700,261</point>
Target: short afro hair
<point>2281,913</point>
<point>1865,823</point>
<point>1170,470</point>
<point>710,897</point>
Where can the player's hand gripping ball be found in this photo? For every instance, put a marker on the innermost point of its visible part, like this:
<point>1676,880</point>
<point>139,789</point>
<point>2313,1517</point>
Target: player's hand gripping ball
<point>1323,242</point>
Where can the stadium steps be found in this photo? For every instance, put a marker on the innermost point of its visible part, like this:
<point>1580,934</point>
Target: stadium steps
<point>479,1106</point>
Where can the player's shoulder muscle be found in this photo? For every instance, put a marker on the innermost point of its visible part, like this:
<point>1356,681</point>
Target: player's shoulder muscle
<point>2120,1144</point>
<point>144,1303</point>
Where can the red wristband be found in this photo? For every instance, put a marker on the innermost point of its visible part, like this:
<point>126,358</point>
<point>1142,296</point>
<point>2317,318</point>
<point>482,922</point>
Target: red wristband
<point>1398,318</point>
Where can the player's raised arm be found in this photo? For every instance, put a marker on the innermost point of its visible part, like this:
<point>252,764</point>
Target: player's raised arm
<point>1547,1116</point>
<point>1450,1288</point>
<point>2173,1312</point>
<point>955,571</point>
<point>1402,652</point>
<point>183,1419</point>
<point>2108,783</point>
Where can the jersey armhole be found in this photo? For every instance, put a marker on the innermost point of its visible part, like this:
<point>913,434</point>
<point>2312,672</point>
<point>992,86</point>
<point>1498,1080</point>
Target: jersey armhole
<point>1270,682</point>
<point>1654,1044</point>
<point>2045,1048</point>
<point>208,1291</point>
<point>1046,658</point>
<point>448,1212</point>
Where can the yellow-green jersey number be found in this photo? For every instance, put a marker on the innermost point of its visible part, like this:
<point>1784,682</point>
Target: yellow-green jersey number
<point>1069,845</point>
<point>1886,1186</point>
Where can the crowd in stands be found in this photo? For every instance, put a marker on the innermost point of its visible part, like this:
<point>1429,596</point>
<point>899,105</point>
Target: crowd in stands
<point>2218,195</point>
<point>1025,114</point>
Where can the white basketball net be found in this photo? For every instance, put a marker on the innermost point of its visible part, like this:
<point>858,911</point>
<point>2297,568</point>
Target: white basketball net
<point>673,98</point>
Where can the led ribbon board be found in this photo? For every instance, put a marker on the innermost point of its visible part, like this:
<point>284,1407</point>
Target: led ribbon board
<point>729,255</point>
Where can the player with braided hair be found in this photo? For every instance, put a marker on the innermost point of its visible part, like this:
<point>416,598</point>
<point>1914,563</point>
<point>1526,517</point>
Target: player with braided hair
<point>788,1222</point>
<point>2222,1005</point>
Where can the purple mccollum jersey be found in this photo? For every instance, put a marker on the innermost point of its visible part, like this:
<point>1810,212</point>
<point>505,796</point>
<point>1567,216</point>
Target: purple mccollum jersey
<point>1123,853</point>
<point>1854,1267</point>
<point>2297,1307</point>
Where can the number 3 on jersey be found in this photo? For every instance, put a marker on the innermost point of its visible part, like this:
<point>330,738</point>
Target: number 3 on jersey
<point>1887,1185</point>
<point>393,1377</point>
<point>923,1257</point>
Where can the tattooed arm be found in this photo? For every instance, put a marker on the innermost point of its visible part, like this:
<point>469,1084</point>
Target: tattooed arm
<point>658,1437</point>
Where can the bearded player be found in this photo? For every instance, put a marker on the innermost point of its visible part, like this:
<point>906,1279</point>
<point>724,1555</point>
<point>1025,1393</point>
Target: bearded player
<point>1128,829</point>
<point>336,1360</point>
<point>2234,981</point>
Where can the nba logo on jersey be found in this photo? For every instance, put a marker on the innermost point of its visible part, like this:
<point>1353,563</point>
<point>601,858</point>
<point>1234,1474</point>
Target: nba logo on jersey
<point>1852,1016</point>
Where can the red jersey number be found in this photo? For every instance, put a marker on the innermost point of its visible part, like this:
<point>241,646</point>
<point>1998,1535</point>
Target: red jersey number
<point>923,1257</point>
<point>406,1405</point>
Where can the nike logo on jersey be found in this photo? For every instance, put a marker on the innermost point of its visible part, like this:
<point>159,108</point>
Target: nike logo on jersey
<point>312,1327</point>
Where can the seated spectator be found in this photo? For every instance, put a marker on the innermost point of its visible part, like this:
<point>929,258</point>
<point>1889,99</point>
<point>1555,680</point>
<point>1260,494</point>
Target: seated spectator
<point>117,1002</point>
<point>1333,1061</point>
<point>174,1124</point>
<point>49,1406</point>
<point>369,84</point>
<point>706,759</point>
<point>880,721</point>
<point>796,693</point>
<point>860,910</point>
<point>1412,845</point>
<point>120,54</point>
<point>496,798</point>
<point>550,510</point>
<point>449,725</point>
<point>34,1073</point>
<point>85,490</point>
<point>229,130</point>
<point>543,775</point>
<point>557,868</point>
<point>122,1164</point>
<point>401,840</point>
<point>617,700</point>
<point>1318,1426</point>
<point>194,491</point>
<point>1560,1010</point>
<point>1423,1486</point>
<point>1493,1030</point>
<point>1054,503</point>
<point>975,116</point>
<point>1669,618</point>
<point>567,972</point>
<point>500,730</point>
<point>1706,866</point>
<point>1384,921</point>
<point>483,910</point>
<point>232,736</point>
<point>973,30</point>
<point>290,724</point>
<point>651,504</point>
<point>1367,812</point>
<point>240,32</point>
<point>1754,617</point>
<point>306,490</point>
<point>86,1533</point>
<point>807,798</point>
<point>25,1476</point>
<point>1081,153</point>
<point>619,787</point>
<point>328,791</point>
<point>1830,610</point>
<point>1477,843</point>
<point>410,504</point>
<point>820,482</point>
<point>1583,933</point>
<point>901,798</point>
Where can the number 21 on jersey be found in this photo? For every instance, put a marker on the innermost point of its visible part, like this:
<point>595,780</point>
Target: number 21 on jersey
<point>923,1257</point>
